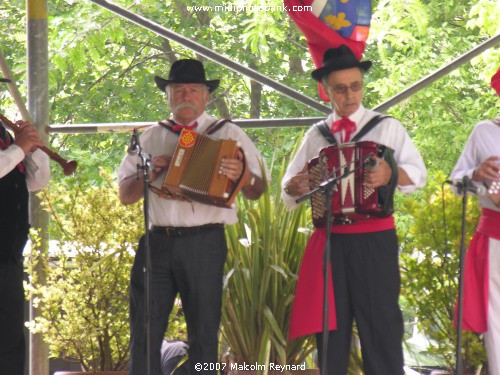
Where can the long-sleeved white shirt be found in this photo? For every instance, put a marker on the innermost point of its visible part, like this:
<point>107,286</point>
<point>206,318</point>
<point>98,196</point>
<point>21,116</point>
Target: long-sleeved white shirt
<point>36,164</point>
<point>483,143</point>
<point>389,133</point>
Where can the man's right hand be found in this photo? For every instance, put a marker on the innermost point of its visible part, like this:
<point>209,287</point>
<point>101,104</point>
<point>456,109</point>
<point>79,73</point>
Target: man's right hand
<point>299,184</point>
<point>159,164</point>
<point>27,138</point>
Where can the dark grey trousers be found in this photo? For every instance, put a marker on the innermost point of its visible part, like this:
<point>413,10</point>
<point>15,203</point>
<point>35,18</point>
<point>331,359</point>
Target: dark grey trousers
<point>12,342</point>
<point>191,266</point>
<point>366,279</point>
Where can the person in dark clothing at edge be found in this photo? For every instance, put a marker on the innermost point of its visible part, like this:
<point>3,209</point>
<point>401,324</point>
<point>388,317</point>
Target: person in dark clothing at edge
<point>23,168</point>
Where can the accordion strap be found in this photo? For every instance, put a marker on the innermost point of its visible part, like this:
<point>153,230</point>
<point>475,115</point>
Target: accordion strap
<point>169,125</point>
<point>324,129</point>
<point>213,127</point>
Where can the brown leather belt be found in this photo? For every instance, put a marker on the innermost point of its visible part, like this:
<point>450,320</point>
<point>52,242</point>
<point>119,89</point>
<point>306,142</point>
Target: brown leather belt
<point>185,231</point>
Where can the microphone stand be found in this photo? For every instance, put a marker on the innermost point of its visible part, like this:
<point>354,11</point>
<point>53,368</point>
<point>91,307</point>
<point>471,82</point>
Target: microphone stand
<point>326,187</point>
<point>144,167</point>
<point>459,361</point>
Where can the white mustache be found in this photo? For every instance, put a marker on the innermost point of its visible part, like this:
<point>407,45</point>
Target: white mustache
<point>185,105</point>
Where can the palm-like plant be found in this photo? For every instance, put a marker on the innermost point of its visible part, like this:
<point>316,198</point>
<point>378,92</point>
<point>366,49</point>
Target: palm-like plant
<point>265,252</point>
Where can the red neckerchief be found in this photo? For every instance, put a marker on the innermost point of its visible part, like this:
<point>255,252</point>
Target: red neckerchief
<point>345,124</point>
<point>4,145</point>
<point>178,128</point>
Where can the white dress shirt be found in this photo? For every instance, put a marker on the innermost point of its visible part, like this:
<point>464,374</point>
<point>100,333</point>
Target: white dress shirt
<point>167,212</point>
<point>35,163</point>
<point>483,142</point>
<point>389,133</point>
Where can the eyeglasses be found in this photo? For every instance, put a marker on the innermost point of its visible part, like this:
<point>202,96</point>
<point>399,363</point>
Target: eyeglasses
<point>342,89</point>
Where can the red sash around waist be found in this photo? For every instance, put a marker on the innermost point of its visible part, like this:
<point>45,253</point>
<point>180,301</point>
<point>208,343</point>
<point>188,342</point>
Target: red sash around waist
<point>476,273</point>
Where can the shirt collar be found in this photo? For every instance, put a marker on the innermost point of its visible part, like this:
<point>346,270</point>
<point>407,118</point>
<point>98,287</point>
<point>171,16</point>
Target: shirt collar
<point>356,116</point>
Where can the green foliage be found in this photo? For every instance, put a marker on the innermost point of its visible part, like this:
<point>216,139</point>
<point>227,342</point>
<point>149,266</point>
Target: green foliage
<point>265,251</point>
<point>102,67</point>
<point>84,299</point>
<point>410,40</point>
<point>431,268</point>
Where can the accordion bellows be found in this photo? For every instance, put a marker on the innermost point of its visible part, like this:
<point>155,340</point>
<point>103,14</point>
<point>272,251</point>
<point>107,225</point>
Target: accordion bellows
<point>194,170</point>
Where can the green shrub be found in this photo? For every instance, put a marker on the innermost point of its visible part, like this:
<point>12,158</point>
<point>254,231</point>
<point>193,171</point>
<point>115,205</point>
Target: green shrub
<point>430,260</point>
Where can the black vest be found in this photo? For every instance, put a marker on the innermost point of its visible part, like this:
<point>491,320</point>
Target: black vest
<point>14,216</point>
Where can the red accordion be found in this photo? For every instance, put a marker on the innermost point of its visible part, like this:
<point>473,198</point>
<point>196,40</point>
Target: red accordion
<point>351,200</point>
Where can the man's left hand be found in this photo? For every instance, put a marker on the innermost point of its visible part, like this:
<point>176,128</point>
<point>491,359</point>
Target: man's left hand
<point>379,175</point>
<point>232,168</point>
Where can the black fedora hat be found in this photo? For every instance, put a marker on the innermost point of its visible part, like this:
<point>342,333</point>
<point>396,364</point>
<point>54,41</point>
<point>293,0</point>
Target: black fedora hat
<point>338,59</point>
<point>4,80</point>
<point>187,71</point>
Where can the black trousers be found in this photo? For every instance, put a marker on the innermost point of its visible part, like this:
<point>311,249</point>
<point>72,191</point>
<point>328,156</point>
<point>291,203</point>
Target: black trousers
<point>366,279</point>
<point>192,266</point>
<point>12,343</point>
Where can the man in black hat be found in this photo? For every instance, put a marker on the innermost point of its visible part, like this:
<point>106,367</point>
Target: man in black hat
<point>22,169</point>
<point>364,252</point>
<point>188,246</point>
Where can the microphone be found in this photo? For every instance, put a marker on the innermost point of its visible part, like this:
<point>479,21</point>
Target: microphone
<point>133,147</point>
<point>467,186</point>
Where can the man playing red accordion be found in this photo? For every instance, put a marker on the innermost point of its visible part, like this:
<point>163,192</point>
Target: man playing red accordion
<point>480,162</point>
<point>364,253</point>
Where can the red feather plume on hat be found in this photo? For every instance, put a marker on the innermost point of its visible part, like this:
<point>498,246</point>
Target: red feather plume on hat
<point>495,81</point>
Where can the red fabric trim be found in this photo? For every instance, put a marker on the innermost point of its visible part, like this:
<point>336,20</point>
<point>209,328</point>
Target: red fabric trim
<point>476,274</point>
<point>178,128</point>
<point>307,310</point>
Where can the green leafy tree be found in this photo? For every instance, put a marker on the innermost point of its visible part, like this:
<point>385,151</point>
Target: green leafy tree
<point>101,70</point>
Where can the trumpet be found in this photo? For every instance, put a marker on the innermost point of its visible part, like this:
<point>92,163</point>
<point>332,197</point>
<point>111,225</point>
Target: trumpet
<point>69,167</point>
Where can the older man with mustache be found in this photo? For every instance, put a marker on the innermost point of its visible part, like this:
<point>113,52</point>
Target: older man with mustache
<point>188,246</point>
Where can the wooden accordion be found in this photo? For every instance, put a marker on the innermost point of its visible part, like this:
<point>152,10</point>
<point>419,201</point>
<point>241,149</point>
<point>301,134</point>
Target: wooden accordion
<point>351,200</point>
<point>194,170</point>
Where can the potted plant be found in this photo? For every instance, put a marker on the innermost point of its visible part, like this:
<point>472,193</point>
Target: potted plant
<point>84,299</point>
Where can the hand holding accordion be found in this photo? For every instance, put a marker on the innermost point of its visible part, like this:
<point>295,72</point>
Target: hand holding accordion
<point>351,199</point>
<point>194,172</point>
